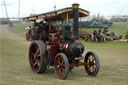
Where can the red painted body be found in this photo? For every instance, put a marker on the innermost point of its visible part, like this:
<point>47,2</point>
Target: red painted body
<point>44,37</point>
<point>54,37</point>
<point>55,46</point>
<point>54,49</point>
<point>52,40</point>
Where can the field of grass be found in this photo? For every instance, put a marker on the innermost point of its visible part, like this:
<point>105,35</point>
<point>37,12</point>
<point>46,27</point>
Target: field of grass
<point>15,70</point>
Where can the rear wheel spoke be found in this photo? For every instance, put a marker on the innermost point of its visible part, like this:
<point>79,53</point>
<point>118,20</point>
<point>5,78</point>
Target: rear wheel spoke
<point>37,51</point>
<point>36,62</point>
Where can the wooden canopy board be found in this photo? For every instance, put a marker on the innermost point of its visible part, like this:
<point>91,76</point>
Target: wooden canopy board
<point>57,15</point>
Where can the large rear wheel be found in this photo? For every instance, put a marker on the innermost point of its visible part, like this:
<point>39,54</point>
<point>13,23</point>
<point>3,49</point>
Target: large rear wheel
<point>37,57</point>
<point>61,65</point>
<point>93,63</point>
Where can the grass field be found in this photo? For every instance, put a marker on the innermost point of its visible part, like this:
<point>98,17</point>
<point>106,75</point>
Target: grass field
<point>15,70</point>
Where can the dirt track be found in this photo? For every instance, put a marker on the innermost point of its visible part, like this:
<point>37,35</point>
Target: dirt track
<point>6,34</point>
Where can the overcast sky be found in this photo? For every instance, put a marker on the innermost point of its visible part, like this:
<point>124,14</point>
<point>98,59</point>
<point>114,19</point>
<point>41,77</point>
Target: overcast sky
<point>104,7</point>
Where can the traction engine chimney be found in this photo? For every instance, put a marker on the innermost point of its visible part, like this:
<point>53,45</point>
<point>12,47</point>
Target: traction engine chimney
<point>75,20</point>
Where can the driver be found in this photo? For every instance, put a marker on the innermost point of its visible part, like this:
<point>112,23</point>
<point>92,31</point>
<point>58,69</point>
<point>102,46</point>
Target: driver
<point>40,29</point>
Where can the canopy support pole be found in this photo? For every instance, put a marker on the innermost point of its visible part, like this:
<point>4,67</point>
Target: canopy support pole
<point>67,19</point>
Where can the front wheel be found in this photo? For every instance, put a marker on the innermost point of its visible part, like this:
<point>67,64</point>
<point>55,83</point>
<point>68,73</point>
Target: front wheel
<point>93,66</point>
<point>61,65</point>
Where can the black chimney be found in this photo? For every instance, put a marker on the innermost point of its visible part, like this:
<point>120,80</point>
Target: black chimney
<point>75,20</point>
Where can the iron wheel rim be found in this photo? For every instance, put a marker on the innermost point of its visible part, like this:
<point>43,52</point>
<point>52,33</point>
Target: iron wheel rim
<point>59,66</point>
<point>93,63</point>
<point>35,57</point>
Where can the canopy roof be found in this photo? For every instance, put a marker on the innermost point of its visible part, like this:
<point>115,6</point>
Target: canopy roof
<point>58,14</point>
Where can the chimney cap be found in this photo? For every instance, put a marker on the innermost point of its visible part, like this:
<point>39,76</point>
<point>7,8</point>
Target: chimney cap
<point>75,5</point>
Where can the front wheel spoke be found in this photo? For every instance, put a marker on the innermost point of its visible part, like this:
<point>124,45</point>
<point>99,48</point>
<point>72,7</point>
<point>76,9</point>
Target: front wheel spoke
<point>88,61</point>
<point>88,66</point>
<point>62,62</point>
<point>94,61</point>
<point>59,70</point>
<point>63,66</point>
<point>94,66</point>
<point>57,66</point>
<point>91,58</point>
<point>91,69</point>
<point>63,69</point>
<point>58,63</point>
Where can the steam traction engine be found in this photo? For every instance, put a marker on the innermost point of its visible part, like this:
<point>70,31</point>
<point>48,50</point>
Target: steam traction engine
<point>61,49</point>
